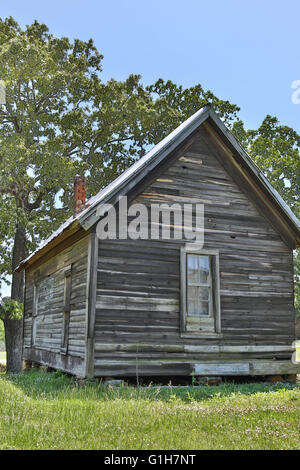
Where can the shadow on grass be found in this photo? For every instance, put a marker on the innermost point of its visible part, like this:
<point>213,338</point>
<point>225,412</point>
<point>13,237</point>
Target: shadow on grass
<point>56,385</point>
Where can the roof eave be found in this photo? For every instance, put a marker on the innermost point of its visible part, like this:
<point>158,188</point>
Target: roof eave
<point>63,235</point>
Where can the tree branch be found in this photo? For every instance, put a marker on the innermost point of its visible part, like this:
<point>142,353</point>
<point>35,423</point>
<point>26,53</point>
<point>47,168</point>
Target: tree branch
<point>36,204</point>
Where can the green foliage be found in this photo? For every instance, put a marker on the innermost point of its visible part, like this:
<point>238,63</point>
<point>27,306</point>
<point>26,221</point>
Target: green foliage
<point>174,105</point>
<point>11,309</point>
<point>47,82</point>
<point>276,150</point>
<point>60,120</point>
<point>46,411</point>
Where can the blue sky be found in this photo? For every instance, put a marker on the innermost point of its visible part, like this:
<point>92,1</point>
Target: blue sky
<point>244,51</point>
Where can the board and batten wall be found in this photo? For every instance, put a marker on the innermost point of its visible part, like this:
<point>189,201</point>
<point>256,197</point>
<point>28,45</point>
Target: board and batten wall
<point>50,278</point>
<point>137,324</point>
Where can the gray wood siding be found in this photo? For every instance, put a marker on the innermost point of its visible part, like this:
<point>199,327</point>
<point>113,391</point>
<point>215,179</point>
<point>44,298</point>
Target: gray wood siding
<point>138,285</point>
<point>50,305</point>
<point>28,308</point>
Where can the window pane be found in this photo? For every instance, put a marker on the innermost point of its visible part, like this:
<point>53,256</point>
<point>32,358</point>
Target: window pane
<point>203,293</point>
<point>198,269</point>
<point>192,301</point>
<point>198,301</point>
<point>193,271</point>
<point>203,308</point>
<point>204,269</point>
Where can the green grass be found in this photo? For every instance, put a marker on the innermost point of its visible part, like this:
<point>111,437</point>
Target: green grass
<point>2,355</point>
<point>49,411</point>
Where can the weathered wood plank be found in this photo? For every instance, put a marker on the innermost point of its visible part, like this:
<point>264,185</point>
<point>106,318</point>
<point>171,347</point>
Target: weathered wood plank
<point>49,320</point>
<point>138,288</point>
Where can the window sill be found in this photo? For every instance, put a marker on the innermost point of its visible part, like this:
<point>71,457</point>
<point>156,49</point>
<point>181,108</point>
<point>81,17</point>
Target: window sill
<point>196,334</point>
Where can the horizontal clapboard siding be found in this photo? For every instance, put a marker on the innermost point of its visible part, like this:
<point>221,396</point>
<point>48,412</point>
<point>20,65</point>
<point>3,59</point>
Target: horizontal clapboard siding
<point>138,288</point>
<point>51,304</point>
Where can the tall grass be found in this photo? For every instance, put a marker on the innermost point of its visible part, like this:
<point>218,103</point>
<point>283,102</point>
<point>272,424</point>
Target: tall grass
<point>50,411</point>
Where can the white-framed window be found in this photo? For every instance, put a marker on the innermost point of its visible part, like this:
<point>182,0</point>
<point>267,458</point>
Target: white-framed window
<point>200,292</point>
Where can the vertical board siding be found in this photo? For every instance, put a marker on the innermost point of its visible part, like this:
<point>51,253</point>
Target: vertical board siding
<point>28,308</point>
<point>139,280</point>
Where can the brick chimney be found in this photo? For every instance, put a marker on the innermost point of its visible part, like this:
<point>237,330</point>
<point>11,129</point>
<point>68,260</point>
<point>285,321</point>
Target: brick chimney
<point>79,194</point>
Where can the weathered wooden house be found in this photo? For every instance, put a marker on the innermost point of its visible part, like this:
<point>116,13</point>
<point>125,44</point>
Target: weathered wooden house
<point>121,307</point>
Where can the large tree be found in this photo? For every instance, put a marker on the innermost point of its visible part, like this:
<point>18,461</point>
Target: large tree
<point>58,120</point>
<point>276,150</point>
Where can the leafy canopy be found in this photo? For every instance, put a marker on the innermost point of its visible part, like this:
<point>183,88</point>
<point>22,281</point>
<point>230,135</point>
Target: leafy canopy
<point>60,120</point>
<point>276,150</point>
<point>11,309</point>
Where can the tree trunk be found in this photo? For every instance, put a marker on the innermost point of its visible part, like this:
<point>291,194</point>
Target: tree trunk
<point>14,328</point>
<point>13,345</point>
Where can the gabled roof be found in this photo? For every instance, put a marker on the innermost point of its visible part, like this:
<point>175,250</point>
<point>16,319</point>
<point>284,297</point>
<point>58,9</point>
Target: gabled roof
<point>137,172</point>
